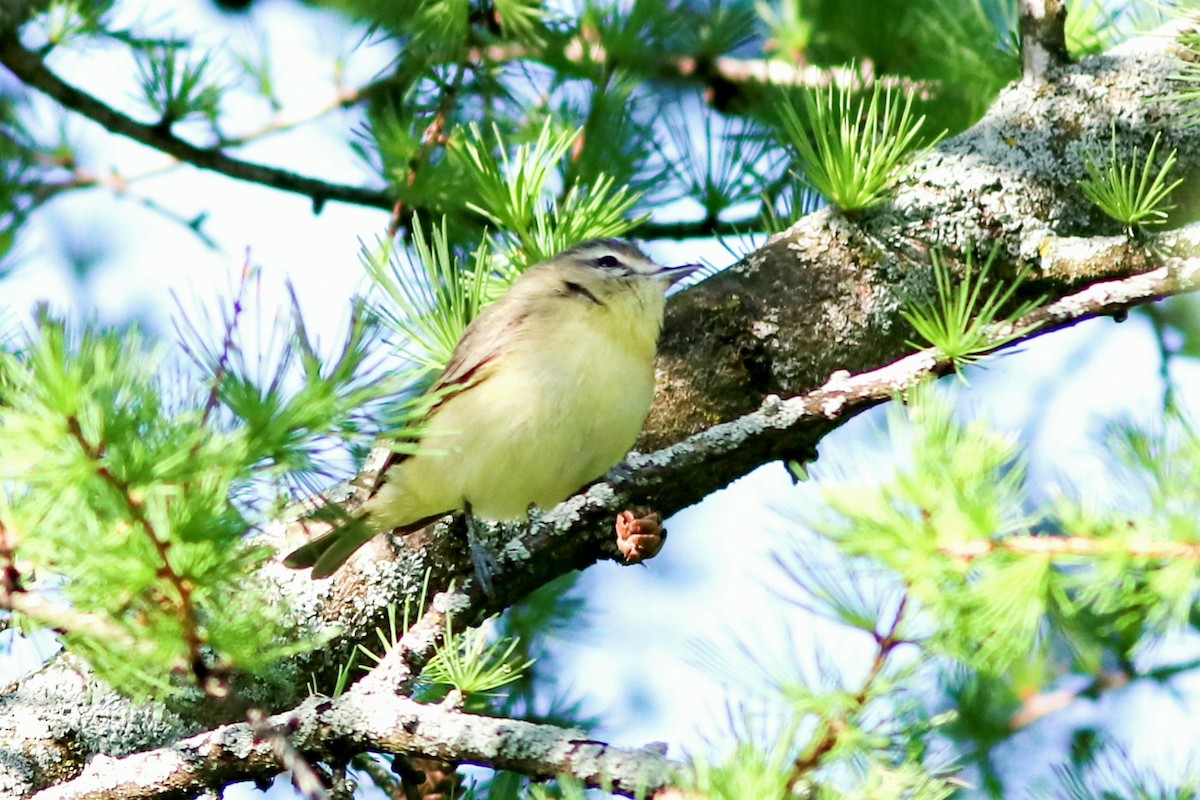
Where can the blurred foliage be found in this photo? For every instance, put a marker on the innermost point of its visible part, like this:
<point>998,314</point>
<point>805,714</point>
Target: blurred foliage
<point>132,497</point>
<point>18,166</point>
<point>476,78</point>
<point>970,616</point>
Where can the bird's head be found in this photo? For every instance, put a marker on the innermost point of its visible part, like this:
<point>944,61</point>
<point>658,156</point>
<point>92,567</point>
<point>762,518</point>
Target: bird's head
<point>602,270</point>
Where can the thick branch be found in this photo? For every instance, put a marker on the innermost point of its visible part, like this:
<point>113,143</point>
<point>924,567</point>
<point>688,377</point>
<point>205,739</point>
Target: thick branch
<point>332,730</point>
<point>578,532</point>
<point>826,294</point>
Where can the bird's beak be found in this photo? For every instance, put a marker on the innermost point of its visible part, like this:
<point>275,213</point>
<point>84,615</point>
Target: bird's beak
<point>676,274</point>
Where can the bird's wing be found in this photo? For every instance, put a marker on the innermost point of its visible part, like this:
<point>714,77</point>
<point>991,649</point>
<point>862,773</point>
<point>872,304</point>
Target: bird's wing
<point>470,364</point>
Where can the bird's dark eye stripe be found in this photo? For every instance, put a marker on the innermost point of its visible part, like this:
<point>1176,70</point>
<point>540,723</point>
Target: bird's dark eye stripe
<point>572,288</point>
<point>608,261</point>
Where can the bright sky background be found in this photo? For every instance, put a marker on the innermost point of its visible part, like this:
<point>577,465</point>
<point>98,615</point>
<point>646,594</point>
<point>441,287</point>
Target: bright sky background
<point>633,656</point>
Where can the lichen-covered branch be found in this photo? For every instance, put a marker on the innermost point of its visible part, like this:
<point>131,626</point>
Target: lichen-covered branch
<point>578,532</point>
<point>333,729</point>
<point>827,293</point>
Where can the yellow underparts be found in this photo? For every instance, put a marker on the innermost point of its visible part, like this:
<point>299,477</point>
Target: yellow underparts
<point>553,414</point>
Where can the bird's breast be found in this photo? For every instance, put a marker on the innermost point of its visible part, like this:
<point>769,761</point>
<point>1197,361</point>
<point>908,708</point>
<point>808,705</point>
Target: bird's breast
<point>560,411</point>
<point>557,409</point>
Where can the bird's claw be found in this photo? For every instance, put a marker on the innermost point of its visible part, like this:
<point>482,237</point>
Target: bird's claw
<point>619,474</point>
<point>483,559</point>
<point>639,537</point>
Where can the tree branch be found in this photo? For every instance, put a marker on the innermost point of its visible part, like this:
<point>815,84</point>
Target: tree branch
<point>332,730</point>
<point>723,76</point>
<point>1043,38</point>
<point>578,532</point>
<point>1073,546</point>
<point>32,70</point>
<point>826,294</point>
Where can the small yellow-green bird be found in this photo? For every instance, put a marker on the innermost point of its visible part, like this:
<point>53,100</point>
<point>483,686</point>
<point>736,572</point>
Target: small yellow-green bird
<point>547,389</point>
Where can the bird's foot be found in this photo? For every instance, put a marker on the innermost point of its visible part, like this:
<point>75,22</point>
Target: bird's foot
<point>483,557</point>
<point>620,474</point>
<point>639,535</point>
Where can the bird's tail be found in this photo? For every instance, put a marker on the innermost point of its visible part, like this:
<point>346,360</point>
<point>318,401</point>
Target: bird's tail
<point>330,550</point>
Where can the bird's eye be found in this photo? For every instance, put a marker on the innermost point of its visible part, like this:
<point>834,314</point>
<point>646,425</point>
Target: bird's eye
<point>608,262</point>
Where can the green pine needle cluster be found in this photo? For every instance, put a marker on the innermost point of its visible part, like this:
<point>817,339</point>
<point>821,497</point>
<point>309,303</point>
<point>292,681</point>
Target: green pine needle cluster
<point>954,528</point>
<point>472,664</point>
<point>1114,773</point>
<point>66,20</point>
<point>946,571</point>
<point>734,164</point>
<point>428,299</point>
<point>961,320</point>
<point>176,85</point>
<point>107,486</point>
<point>470,661</point>
<point>1128,190</point>
<point>790,32</point>
<point>854,153</point>
<point>827,735</point>
<point>1187,79</point>
<point>1090,27</point>
<point>134,501</point>
<point>751,770</point>
<point>511,194</point>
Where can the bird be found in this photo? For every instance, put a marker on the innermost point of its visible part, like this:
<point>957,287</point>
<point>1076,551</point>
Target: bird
<point>546,390</point>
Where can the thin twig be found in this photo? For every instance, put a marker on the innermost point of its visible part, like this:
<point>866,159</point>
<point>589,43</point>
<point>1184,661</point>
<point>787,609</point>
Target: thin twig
<point>82,178</point>
<point>1043,704</point>
<point>431,139</point>
<point>832,730</point>
<point>227,344</point>
<point>280,122</point>
<point>712,71</point>
<point>32,70</point>
<point>1072,546</point>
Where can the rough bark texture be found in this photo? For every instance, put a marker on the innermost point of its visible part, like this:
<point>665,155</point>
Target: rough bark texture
<point>827,293</point>
<point>823,296</point>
